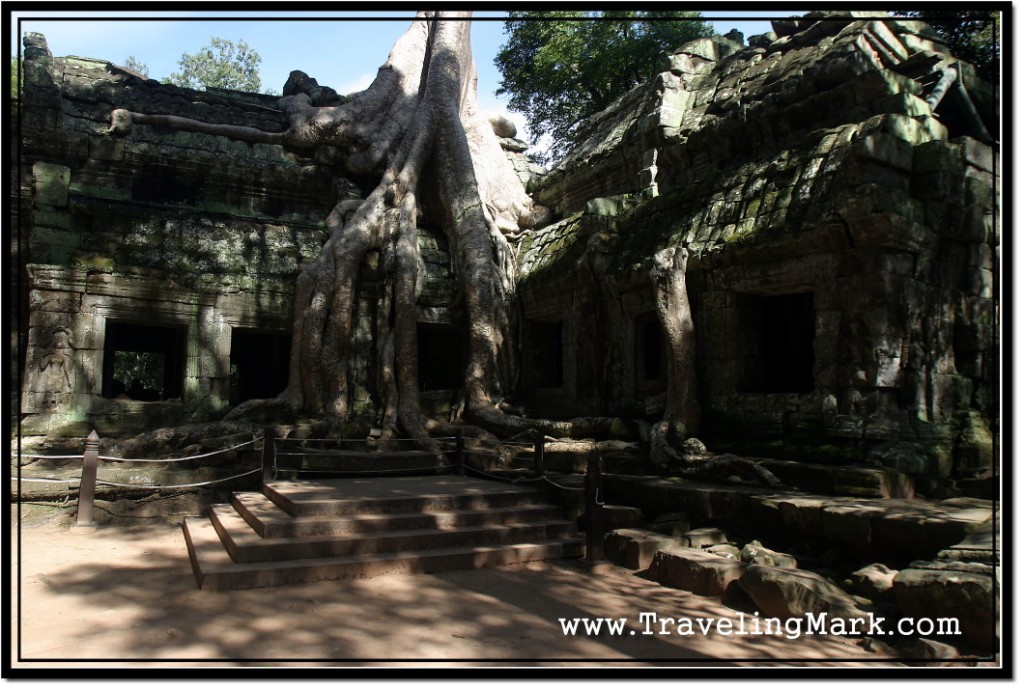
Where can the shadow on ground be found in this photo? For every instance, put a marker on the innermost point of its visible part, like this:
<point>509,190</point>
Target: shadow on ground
<point>126,595</point>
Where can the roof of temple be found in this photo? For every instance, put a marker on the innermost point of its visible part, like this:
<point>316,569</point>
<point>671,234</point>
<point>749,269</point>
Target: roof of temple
<point>825,119</point>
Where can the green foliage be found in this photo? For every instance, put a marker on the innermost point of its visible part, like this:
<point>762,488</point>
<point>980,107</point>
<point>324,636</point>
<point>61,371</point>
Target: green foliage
<point>222,64</point>
<point>133,64</point>
<point>972,35</point>
<point>139,371</point>
<point>561,67</point>
<point>17,79</point>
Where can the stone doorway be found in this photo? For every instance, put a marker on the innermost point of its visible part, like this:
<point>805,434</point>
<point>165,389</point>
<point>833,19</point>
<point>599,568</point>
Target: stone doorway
<point>143,362</point>
<point>651,355</point>
<point>543,354</point>
<point>777,342</point>
<point>441,350</point>
<point>259,364</point>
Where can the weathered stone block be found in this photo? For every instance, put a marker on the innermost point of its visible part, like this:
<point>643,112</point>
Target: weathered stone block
<point>704,537</point>
<point>51,183</point>
<point>978,154</point>
<point>694,570</point>
<point>887,149</point>
<point>54,301</point>
<point>614,516</point>
<point>923,528</point>
<point>688,66</point>
<point>103,148</point>
<point>874,581</point>
<point>794,593</point>
<point>878,83</point>
<point>916,459</point>
<point>756,553</point>
<point>968,597</point>
<point>674,524</point>
<point>860,482</point>
<point>803,513</point>
<point>51,217</point>
<point>936,156</point>
<point>635,549</point>
<point>904,104</point>
<point>850,524</point>
<point>727,551</point>
<point>927,649</point>
<point>765,512</point>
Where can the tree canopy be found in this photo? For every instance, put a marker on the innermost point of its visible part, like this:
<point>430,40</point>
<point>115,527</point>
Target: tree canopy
<point>561,67</point>
<point>133,63</point>
<point>972,35</point>
<point>221,64</point>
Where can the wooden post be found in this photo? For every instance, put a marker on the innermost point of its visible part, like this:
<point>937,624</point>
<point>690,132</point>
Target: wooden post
<point>460,453</point>
<point>538,454</point>
<point>269,453</point>
<point>592,518</point>
<point>87,487</point>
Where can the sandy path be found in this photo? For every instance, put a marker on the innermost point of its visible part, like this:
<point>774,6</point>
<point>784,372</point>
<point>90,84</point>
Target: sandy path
<point>124,596</point>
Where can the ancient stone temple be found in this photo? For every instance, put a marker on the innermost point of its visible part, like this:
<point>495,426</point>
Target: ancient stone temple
<point>835,185</point>
<point>839,208</point>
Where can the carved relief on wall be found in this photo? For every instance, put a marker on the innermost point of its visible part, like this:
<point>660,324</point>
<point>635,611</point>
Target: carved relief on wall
<point>55,373</point>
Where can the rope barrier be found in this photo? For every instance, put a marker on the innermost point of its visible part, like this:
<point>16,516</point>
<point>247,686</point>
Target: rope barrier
<point>363,440</point>
<point>50,458</point>
<point>552,482</point>
<point>356,454</point>
<point>482,452</point>
<point>47,479</point>
<point>364,472</point>
<point>173,460</point>
<point>196,484</point>
<point>521,478</point>
<point>498,442</point>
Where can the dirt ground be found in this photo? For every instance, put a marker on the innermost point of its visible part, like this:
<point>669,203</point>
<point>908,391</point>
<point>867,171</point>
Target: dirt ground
<point>124,597</point>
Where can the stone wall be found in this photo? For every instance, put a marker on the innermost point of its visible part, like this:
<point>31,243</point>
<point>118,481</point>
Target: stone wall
<point>169,232</point>
<point>830,211</point>
<point>841,222</point>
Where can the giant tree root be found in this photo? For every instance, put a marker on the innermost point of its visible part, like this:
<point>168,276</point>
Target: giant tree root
<point>419,131</point>
<point>729,468</point>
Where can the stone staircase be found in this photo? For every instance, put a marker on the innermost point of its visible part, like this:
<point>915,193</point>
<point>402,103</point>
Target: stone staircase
<point>304,531</point>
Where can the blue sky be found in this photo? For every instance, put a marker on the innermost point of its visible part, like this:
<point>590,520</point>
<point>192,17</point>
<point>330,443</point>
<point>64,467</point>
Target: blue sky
<point>339,49</point>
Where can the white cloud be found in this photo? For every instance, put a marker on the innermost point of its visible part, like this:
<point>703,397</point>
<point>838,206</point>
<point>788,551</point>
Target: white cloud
<point>358,84</point>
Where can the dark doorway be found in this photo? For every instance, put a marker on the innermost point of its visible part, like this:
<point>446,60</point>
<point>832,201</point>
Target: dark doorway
<point>143,362</point>
<point>259,364</point>
<point>651,356</point>
<point>777,342</point>
<point>543,366</point>
<point>441,351</point>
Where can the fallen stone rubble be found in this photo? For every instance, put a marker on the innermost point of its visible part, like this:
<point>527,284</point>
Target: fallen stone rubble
<point>960,581</point>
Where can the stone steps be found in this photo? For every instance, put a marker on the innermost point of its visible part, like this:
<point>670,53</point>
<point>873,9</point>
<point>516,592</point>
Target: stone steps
<point>292,461</point>
<point>271,521</point>
<point>299,532</point>
<point>244,545</point>
<point>312,498</point>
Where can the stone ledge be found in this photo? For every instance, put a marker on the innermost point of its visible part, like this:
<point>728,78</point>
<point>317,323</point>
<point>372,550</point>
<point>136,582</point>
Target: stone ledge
<point>635,549</point>
<point>913,528</point>
<point>692,569</point>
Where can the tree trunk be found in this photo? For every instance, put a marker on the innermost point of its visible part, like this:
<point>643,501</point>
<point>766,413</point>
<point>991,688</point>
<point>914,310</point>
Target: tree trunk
<point>419,128</point>
<point>682,401</point>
